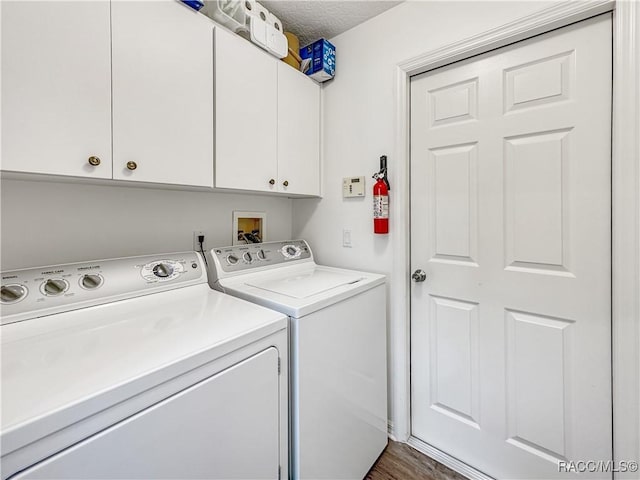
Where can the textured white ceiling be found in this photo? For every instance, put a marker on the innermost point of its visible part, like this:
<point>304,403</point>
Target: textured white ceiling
<point>314,19</point>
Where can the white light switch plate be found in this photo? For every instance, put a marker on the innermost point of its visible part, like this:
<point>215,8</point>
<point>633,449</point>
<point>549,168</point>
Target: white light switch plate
<point>346,238</point>
<point>353,187</point>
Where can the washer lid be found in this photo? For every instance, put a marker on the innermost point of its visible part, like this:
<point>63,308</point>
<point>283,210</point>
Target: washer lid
<point>307,284</point>
<point>299,290</point>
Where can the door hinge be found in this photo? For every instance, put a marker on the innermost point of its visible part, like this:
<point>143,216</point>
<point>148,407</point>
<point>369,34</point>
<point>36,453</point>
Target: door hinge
<point>279,370</point>
<point>279,468</point>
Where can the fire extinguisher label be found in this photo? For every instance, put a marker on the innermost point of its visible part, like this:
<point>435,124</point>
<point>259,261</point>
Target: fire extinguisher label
<point>380,206</point>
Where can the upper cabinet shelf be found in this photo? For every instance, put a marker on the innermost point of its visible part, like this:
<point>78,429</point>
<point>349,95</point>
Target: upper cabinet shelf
<point>81,78</point>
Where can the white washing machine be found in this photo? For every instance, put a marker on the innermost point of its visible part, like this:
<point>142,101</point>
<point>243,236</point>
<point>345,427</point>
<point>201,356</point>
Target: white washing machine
<point>135,368</point>
<point>338,367</point>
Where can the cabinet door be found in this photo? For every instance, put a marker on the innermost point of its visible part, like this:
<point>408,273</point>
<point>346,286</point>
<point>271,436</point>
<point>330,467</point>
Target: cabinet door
<point>222,428</point>
<point>56,88</point>
<point>246,104</point>
<point>298,132</point>
<point>162,94</point>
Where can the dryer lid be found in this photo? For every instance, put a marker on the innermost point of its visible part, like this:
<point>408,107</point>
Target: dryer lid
<point>306,284</point>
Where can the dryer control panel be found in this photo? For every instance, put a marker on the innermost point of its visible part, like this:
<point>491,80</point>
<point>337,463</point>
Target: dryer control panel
<point>241,258</point>
<point>36,292</point>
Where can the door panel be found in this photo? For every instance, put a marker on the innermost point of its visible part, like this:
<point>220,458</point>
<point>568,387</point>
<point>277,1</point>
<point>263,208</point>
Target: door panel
<point>454,359</point>
<point>510,219</point>
<point>246,115</point>
<point>298,132</point>
<point>162,93</point>
<point>56,90</point>
<point>454,203</point>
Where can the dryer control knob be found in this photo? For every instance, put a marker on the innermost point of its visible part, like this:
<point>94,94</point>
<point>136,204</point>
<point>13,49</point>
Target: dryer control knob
<point>12,293</point>
<point>262,255</point>
<point>54,287</point>
<point>232,259</point>
<point>247,257</point>
<point>162,270</point>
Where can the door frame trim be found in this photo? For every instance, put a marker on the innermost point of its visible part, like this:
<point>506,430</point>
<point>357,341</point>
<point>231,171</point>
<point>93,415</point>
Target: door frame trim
<point>625,205</point>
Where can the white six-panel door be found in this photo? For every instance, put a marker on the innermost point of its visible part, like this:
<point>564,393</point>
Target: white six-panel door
<point>510,220</point>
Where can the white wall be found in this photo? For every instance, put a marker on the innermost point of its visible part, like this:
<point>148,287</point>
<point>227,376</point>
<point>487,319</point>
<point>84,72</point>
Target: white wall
<point>46,223</point>
<point>359,126</point>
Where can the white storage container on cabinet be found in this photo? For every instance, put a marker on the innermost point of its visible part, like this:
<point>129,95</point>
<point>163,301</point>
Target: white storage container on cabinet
<point>162,94</point>
<point>56,88</point>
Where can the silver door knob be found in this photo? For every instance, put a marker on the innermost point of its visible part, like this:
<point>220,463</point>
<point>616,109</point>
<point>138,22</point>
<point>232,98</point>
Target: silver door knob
<point>419,276</point>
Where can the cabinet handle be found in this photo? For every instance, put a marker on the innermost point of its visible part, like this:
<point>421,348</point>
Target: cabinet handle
<point>285,183</point>
<point>94,161</point>
<point>272,182</point>
<point>132,165</point>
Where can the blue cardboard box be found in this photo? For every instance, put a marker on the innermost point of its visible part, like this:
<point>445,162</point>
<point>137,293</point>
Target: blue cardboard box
<point>319,60</point>
<point>195,4</point>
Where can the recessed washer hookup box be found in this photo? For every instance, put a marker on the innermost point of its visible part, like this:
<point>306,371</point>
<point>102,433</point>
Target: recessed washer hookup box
<point>319,60</point>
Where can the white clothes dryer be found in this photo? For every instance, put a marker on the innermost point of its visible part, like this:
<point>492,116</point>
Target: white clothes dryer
<point>135,368</point>
<point>338,345</point>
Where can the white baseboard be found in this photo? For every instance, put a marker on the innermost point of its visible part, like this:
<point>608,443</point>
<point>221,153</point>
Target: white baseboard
<point>447,460</point>
<point>390,432</point>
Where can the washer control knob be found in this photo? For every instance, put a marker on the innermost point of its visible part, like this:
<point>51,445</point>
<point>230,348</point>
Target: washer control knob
<point>262,255</point>
<point>91,281</point>
<point>54,287</point>
<point>247,257</point>
<point>232,259</point>
<point>162,270</point>
<point>12,293</point>
<point>291,251</point>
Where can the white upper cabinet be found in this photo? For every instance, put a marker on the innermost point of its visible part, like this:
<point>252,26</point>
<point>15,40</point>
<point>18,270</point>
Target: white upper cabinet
<point>298,132</point>
<point>267,122</point>
<point>162,94</point>
<point>82,77</point>
<point>246,108</point>
<point>56,88</point>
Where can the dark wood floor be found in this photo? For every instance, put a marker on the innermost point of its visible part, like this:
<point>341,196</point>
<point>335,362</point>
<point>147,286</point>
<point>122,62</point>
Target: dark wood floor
<point>401,462</point>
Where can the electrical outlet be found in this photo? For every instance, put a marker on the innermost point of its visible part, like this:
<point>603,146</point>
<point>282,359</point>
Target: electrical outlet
<point>196,243</point>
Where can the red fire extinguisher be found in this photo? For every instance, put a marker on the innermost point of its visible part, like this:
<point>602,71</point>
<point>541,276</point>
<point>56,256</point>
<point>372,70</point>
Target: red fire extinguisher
<point>381,199</point>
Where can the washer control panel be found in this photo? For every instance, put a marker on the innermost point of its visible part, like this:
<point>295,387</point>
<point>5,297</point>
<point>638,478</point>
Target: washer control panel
<point>42,291</point>
<point>238,258</point>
